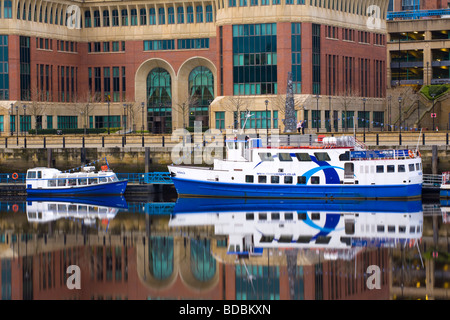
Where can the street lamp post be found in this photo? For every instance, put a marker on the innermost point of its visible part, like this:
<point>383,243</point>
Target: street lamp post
<point>329,113</point>
<point>125,120</point>
<point>24,122</point>
<point>142,106</point>
<point>432,116</point>
<point>17,124</point>
<point>109,99</point>
<point>400,113</point>
<point>317,114</point>
<point>389,112</point>
<point>267,127</point>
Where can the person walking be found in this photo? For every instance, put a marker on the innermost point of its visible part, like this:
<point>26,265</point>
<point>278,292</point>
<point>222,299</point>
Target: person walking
<point>299,126</point>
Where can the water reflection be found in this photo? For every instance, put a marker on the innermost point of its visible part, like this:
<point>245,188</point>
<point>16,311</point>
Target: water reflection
<point>160,248</point>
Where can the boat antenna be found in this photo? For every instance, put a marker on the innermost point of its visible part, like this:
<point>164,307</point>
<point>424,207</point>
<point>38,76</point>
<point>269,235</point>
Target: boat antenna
<point>247,116</point>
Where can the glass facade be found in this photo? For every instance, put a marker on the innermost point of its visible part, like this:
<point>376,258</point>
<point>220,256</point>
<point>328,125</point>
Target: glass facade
<point>4,68</point>
<point>67,122</point>
<point>159,101</point>
<point>25,78</point>
<point>201,90</point>
<point>255,59</point>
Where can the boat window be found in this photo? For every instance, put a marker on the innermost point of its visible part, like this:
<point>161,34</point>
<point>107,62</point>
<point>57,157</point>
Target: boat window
<point>39,174</point>
<point>52,207</point>
<point>262,179</point>
<point>304,239</point>
<point>266,238</point>
<point>289,216</point>
<point>417,166</point>
<point>262,216</point>
<point>62,208</point>
<point>390,168</point>
<point>402,229</point>
<point>315,180</point>
<point>285,238</point>
<point>61,182</point>
<point>284,157</point>
<point>249,179</point>
<point>31,175</point>
<point>380,228</point>
<point>82,182</point>
<point>303,157</point>
<point>301,215</point>
<point>315,216</point>
<point>401,168</point>
<point>344,156</point>
<point>249,216</point>
<point>301,180</point>
<point>230,145</point>
<point>265,156</point>
<point>391,228</point>
<point>275,216</point>
<point>411,167</point>
<point>51,183</point>
<point>380,169</point>
<point>412,229</point>
<point>288,179</point>
<point>114,178</point>
<point>72,208</point>
<point>102,180</point>
<point>72,182</point>
<point>322,156</point>
<point>323,240</point>
<point>274,179</point>
<point>92,180</point>
<point>82,209</point>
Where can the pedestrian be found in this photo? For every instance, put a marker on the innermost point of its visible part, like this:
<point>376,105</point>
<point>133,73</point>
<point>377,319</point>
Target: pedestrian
<point>303,126</point>
<point>299,126</point>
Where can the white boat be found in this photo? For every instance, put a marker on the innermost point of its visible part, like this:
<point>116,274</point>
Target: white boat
<point>334,168</point>
<point>298,224</point>
<point>46,181</point>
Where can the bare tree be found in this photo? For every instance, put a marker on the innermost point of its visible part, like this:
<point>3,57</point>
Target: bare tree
<point>37,106</point>
<point>346,99</point>
<point>183,107</point>
<point>84,105</point>
<point>237,104</point>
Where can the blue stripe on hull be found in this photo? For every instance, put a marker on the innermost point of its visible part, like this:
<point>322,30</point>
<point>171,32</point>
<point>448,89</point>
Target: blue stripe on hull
<point>445,193</point>
<point>113,188</point>
<point>219,189</point>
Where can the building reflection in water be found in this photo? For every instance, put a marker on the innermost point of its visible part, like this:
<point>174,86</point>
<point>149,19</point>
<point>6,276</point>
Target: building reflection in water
<point>223,249</point>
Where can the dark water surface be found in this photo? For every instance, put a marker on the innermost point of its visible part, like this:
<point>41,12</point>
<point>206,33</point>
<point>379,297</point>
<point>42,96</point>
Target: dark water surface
<point>162,247</point>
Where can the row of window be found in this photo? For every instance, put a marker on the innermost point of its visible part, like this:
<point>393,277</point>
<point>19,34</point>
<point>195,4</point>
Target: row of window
<point>400,168</point>
<point>152,16</point>
<point>320,156</point>
<point>332,32</point>
<point>277,179</point>
<point>106,46</point>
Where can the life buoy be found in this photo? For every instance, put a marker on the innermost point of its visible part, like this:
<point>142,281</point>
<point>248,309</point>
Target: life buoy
<point>15,176</point>
<point>411,154</point>
<point>15,208</point>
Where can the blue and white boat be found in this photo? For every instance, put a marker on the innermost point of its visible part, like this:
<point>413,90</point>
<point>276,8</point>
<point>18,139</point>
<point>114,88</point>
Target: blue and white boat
<point>87,182</point>
<point>334,168</point>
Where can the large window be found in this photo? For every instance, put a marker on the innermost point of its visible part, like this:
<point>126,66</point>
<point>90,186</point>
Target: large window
<point>201,91</point>
<point>258,120</point>
<point>296,47</point>
<point>255,59</point>
<point>25,79</point>
<point>316,58</point>
<point>159,101</point>
<point>4,68</point>
<point>67,122</point>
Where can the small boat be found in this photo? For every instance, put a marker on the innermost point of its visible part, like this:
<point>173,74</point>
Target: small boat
<point>87,182</point>
<point>337,167</point>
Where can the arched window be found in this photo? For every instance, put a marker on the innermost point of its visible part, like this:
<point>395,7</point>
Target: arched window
<point>201,93</point>
<point>159,101</point>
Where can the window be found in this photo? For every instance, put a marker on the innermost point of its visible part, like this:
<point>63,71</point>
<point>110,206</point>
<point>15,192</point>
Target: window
<point>152,16</point>
<point>4,68</point>
<point>301,180</point>
<point>417,166</point>
<point>274,179</point>
<point>199,10</point>
<point>150,45</point>
<point>201,43</point>
<point>170,15</point>
<point>262,216</point>
<point>288,216</point>
<point>249,179</point>
<point>262,179</point>
<point>209,13</point>
<point>411,167</point>
<point>161,16</point>
<point>106,18</point>
<point>190,14</point>
<point>322,156</point>
<point>284,157</point>
<point>143,16</point>
<point>275,216</point>
<point>288,180</point>
<point>296,47</point>
<point>265,156</point>
<point>8,9</point>
<point>401,168</point>
<point>390,168</point>
<point>180,15</point>
<point>315,180</point>
<point>115,18</point>
<point>220,120</point>
<point>134,20</point>
<point>124,14</point>
<point>303,157</point>
<point>380,169</point>
<point>249,216</point>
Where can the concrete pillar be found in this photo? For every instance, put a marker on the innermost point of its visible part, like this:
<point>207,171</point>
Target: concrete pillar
<point>434,160</point>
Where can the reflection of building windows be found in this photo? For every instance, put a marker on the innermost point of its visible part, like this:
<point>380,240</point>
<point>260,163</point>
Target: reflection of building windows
<point>203,264</point>
<point>161,255</point>
<point>254,59</point>
<point>264,286</point>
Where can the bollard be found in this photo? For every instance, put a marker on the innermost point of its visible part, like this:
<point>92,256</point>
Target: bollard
<point>163,142</point>
<point>142,141</point>
<point>6,142</point>
<point>45,143</point>
<point>289,140</point>
<point>446,138</point>
<point>64,142</point>
<point>399,139</point>
<point>378,139</point>
<point>123,141</point>
<point>83,142</point>
<point>423,138</point>
<point>103,141</point>
<point>25,142</point>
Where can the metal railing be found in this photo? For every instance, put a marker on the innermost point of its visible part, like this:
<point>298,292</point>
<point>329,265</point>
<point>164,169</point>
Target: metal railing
<point>12,178</point>
<point>432,180</point>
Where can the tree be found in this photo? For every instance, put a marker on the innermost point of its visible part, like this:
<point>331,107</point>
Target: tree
<point>237,104</point>
<point>37,106</point>
<point>345,99</point>
<point>183,107</point>
<point>84,105</point>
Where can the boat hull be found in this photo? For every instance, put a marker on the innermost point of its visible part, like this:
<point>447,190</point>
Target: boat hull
<point>444,193</point>
<point>196,188</point>
<point>112,188</point>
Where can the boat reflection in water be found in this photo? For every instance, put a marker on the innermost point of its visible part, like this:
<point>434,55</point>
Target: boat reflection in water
<point>40,209</point>
<point>340,228</point>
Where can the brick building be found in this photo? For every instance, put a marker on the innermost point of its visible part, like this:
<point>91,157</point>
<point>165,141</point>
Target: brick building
<point>161,66</point>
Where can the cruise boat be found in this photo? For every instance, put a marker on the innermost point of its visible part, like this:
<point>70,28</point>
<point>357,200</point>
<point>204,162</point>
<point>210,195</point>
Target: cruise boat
<point>338,228</point>
<point>337,167</point>
<point>88,181</point>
